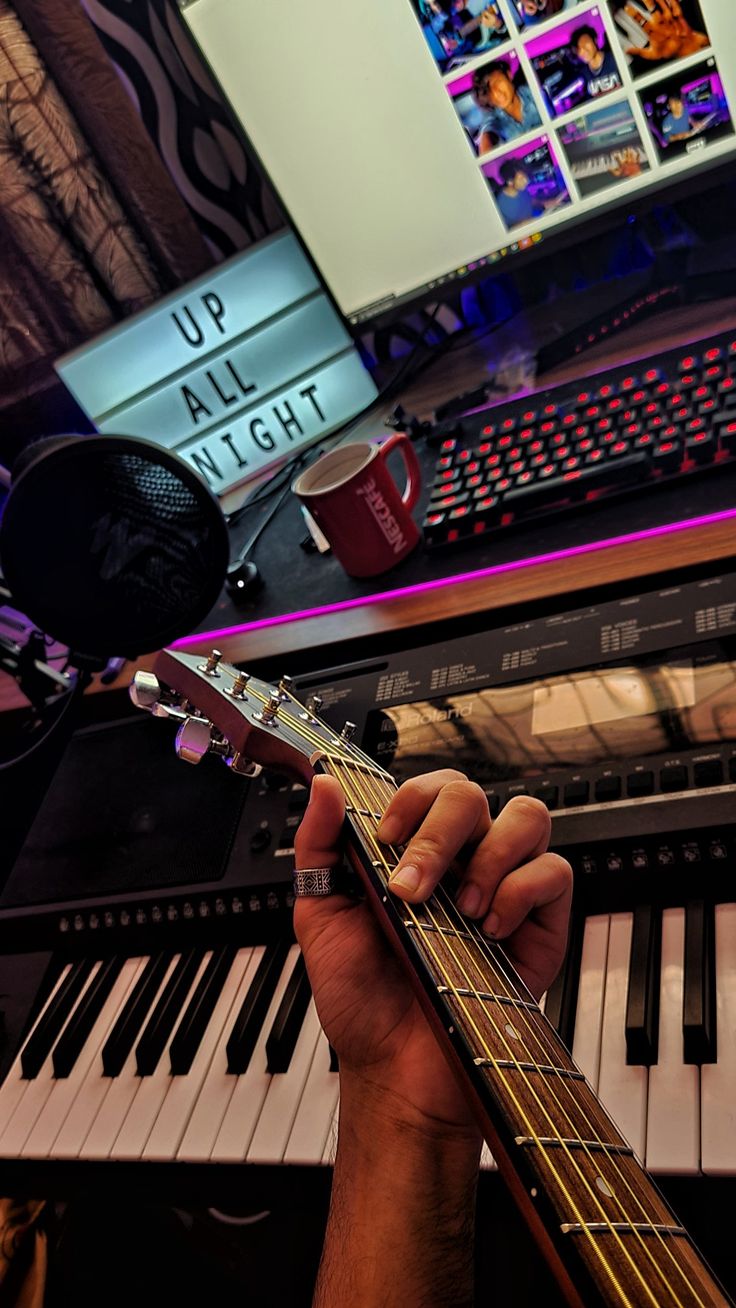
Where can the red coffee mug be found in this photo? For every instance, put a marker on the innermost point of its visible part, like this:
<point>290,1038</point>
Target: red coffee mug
<point>355,501</point>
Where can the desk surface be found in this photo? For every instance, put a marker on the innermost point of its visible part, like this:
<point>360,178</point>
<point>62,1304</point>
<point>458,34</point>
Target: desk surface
<point>616,542</point>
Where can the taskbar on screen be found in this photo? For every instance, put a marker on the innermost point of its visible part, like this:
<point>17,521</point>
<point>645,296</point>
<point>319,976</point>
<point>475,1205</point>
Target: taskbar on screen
<point>392,302</point>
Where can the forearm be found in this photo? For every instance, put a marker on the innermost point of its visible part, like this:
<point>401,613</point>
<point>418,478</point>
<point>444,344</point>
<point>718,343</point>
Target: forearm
<point>402,1214</point>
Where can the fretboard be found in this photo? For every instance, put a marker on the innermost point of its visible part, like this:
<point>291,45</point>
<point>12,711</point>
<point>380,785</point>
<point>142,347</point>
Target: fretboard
<point>607,1231</point>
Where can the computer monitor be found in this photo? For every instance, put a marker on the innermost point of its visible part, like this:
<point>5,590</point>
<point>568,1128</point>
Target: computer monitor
<point>415,143</point>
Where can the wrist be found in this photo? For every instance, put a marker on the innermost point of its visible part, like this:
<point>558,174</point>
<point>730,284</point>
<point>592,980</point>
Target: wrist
<point>379,1119</point>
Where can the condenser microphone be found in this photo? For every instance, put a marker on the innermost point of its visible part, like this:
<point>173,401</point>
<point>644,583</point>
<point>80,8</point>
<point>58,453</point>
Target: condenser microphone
<point>111,545</point>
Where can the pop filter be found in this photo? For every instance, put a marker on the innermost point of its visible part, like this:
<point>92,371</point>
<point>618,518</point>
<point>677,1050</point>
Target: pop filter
<point>111,545</point>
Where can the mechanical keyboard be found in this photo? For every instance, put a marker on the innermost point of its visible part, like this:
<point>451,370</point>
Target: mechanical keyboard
<point>622,430</point>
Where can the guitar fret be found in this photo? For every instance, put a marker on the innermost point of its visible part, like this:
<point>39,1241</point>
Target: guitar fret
<point>443,931</point>
<point>593,1146</point>
<point>545,1068</point>
<point>363,812</point>
<point>621,1228</point>
<point>463,993</point>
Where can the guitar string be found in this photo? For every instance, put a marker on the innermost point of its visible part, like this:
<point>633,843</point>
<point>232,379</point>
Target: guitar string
<point>527,1020</point>
<point>307,731</point>
<point>544,1158</point>
<point>547,1047</point>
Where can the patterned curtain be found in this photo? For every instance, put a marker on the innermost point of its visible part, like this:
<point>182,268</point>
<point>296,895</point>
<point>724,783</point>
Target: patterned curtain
<point>91,227</point>
<point>186,118</point>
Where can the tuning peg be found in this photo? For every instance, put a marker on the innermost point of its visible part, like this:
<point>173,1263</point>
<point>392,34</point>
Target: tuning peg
<point>348,731</point>
<point>286,687</point>
<point>194,739</point>
<point>313,705</point>
<point>237,690</point>
<point>210,667</point>
<point>269,712</point>
<point>145,690</point>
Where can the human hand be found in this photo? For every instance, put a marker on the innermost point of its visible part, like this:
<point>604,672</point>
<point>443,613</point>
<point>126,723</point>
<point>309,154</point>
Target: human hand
<point>669,35</point>
<point>521,895</point>
<point>627,163</point>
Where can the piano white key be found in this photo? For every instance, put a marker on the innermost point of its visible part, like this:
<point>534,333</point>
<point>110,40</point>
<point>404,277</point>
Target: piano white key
<point>176,1109</point>
<point>673,1114</point>
<point>285,1091</point>
<point>66,1088</point>
<point>214,1097</point>
<point>36,1092</point>
<point>718,1080</point>
<point>306,1143</point>
<point>586,1046</point>
<point>243,1110</point>
<point>121,1092</point>
<point>622,1089</point>
<point>95,1085</point>
<point>151,1092</point>
<point>15,1084</point>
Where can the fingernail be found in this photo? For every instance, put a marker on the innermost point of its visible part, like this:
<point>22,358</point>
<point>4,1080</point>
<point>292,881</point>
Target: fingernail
<point>408,877</point>
<point>470,900</point>
<point>388,830</point>
<point>491,924</point>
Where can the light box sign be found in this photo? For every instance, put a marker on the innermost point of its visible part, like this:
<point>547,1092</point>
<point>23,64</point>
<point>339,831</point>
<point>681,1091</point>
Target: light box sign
<point>236,371</point>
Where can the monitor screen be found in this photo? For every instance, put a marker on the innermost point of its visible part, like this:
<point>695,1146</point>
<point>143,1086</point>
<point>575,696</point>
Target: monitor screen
<point>414,142</point>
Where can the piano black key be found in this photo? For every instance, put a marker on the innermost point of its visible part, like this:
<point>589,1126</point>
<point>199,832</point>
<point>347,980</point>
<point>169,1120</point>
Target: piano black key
<point>40,1044</point>
<point>161,1022</point>
<point>699,998</point>
<point>288,1021</point>
<point>642,1003</point>
<point>561,1003</point>
<point>194,1022</point>
<point>253,1011</point>
<point>122,1037</point>
<point>78,1028</point>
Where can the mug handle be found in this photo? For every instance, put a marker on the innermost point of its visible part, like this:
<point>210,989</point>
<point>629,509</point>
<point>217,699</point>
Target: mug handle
<point>401,441</point>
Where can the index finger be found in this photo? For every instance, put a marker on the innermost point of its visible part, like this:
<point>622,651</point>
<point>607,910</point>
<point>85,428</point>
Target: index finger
<point>442,813</point>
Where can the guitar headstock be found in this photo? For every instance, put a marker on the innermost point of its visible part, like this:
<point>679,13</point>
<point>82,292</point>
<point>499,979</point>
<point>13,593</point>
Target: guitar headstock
<point>249,723</point>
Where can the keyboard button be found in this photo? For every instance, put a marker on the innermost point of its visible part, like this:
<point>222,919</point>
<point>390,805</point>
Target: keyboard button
<point>249,1021</point>
<point>576,792</point>
<point>607,789</point>
<point>639,783</point>
<point>708,773</point>
<point>674,778</point>
<point>700,447</point>
<point>549,795</point>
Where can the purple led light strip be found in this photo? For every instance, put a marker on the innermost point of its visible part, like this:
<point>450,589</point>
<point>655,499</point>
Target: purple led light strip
<point>459,578</point>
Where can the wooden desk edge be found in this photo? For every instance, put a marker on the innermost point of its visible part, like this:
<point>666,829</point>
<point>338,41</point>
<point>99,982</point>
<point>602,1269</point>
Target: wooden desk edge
<point>713,543</point>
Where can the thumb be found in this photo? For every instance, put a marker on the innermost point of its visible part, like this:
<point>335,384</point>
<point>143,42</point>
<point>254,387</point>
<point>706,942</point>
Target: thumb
<point>318,843</point>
